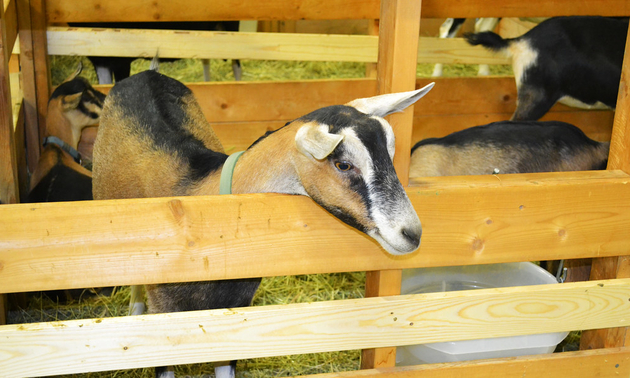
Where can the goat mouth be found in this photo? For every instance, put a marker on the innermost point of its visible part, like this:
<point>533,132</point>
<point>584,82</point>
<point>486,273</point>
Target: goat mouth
<point>390,248</point>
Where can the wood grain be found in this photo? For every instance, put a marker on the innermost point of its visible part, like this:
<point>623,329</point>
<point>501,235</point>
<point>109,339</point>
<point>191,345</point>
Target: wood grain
<point>197,10</point>
<point>615,267</point>
<point>399,28</point>
<point>9,192</point>
<point>466,220</point>
<point>219,335</point>
<point>11,24</point>
<point>43,83</point>
<point>270,46</point>
<point>211,45</point>
<point>612,362</point>
<point>29,90</point>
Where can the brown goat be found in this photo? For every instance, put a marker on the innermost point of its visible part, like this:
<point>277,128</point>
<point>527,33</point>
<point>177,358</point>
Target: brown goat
<point>154,141</point>
<point>509,147</point>
<point>59,175</point>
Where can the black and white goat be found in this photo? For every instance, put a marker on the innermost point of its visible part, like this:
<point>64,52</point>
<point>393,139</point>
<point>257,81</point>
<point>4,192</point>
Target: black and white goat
<point>574,60</point>
<point>340,156</point>
<point>509,147</point>
<point>119,68</point>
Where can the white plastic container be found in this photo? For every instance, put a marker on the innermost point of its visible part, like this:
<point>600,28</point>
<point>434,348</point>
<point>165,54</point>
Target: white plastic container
<point>430,280</point>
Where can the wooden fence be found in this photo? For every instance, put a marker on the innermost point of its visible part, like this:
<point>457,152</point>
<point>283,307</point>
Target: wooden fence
<point>471,220</point>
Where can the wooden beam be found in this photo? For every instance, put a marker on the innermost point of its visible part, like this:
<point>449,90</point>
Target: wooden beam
<point>40,59</point>
<point>27,62</point>
<point>270,46</point>
<point>510,218</point>
<point>517,8</point>
<point>218,335</point>
<point>197,10</point>
<point>210,45</point>
<point>11,24</point>
<point>270,105</point>
<point>399,28</point>
<point>615,267</point>
<point>61,11</point>
<point>612,362</point>
<point>9,190</point>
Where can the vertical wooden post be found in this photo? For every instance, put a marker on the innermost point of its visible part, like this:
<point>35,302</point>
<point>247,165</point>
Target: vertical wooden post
<point>396,72</point>
<point>373,29</point>
<point>40,55</point>
<point>8,168</point>
<point>35,73</point>
<point>619,158</point>
<point>31,121</point>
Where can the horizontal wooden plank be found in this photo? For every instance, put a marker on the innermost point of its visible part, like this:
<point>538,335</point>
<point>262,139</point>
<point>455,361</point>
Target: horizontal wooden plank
<point>198,10</point>
<point>611,362</point>
<point>59,11</point>
<point>264,46</point>
<point>10,23</point>
<point>466,220</point>
<point>452,105</point>
<point>211,45</point>
<point>517,8</point>
<point>456,51</point>
<point>219,335</point>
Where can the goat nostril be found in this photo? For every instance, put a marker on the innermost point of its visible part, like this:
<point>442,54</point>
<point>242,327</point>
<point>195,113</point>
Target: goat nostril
<point>412,236</point>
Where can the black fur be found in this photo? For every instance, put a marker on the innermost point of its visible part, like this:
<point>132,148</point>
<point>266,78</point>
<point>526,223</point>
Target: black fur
<point>580,57</point>
<point>155,102</point>
<point>511,134</point>
<point>61,184</point>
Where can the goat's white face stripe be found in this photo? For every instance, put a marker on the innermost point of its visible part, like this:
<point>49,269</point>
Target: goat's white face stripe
<point>388,206</point>
<point>359,156</point>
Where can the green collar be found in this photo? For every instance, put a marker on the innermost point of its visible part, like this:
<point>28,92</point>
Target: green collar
<point>225,185</point>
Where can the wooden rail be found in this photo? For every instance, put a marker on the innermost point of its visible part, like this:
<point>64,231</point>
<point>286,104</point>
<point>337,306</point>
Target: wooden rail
<point>197,10</point>
<point>219,335</point>
<point>466,220</point>
<point>452,105</point>
<point>262,46</point>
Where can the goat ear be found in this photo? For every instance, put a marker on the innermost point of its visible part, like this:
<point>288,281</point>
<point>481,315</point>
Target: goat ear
<point>384,105</point>
<point>316,141</point>
<point>71,102</point>
<point>75,73</point>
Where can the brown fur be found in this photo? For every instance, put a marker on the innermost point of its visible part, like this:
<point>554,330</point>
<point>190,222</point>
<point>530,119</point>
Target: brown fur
<point>437,160</point>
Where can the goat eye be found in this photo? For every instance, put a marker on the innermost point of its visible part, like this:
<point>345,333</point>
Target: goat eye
<point>343,166</point>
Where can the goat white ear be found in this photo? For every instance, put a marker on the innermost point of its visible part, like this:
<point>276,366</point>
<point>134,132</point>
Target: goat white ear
<point>316,141</point>
<point>387,104</point>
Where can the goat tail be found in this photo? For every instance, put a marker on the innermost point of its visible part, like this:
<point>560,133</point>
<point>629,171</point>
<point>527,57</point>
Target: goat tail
<point>488,39</point>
